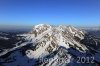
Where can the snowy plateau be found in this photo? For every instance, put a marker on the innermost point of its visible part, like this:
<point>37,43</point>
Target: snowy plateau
<point>49,45</point>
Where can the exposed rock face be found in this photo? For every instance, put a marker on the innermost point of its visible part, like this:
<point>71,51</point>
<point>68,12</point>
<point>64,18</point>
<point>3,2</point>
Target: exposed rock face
<point>51,46</point>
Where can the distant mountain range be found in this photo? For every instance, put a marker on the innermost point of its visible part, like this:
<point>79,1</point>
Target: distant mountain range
<point>12,28</point>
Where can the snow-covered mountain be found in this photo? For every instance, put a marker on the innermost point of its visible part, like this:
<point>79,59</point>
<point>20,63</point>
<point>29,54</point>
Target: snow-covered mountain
<point>48,45</point>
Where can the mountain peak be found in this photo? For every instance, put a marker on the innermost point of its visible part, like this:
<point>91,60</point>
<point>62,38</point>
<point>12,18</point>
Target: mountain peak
<point>41,26</point>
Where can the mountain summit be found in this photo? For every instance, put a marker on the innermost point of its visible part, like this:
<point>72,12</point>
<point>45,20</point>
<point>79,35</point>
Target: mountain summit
<point>48,45</point>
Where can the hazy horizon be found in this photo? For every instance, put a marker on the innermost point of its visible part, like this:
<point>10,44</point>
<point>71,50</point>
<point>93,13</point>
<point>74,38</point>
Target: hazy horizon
<point>28,27</point>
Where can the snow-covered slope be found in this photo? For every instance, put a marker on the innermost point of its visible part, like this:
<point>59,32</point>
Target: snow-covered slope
<point>51,46</point>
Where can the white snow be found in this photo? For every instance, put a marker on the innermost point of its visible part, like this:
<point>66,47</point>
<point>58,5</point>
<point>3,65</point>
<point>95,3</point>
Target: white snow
<point>40,52</point>
<point>5,38</point>
<point>30,54</point>
<point>62,42</point>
